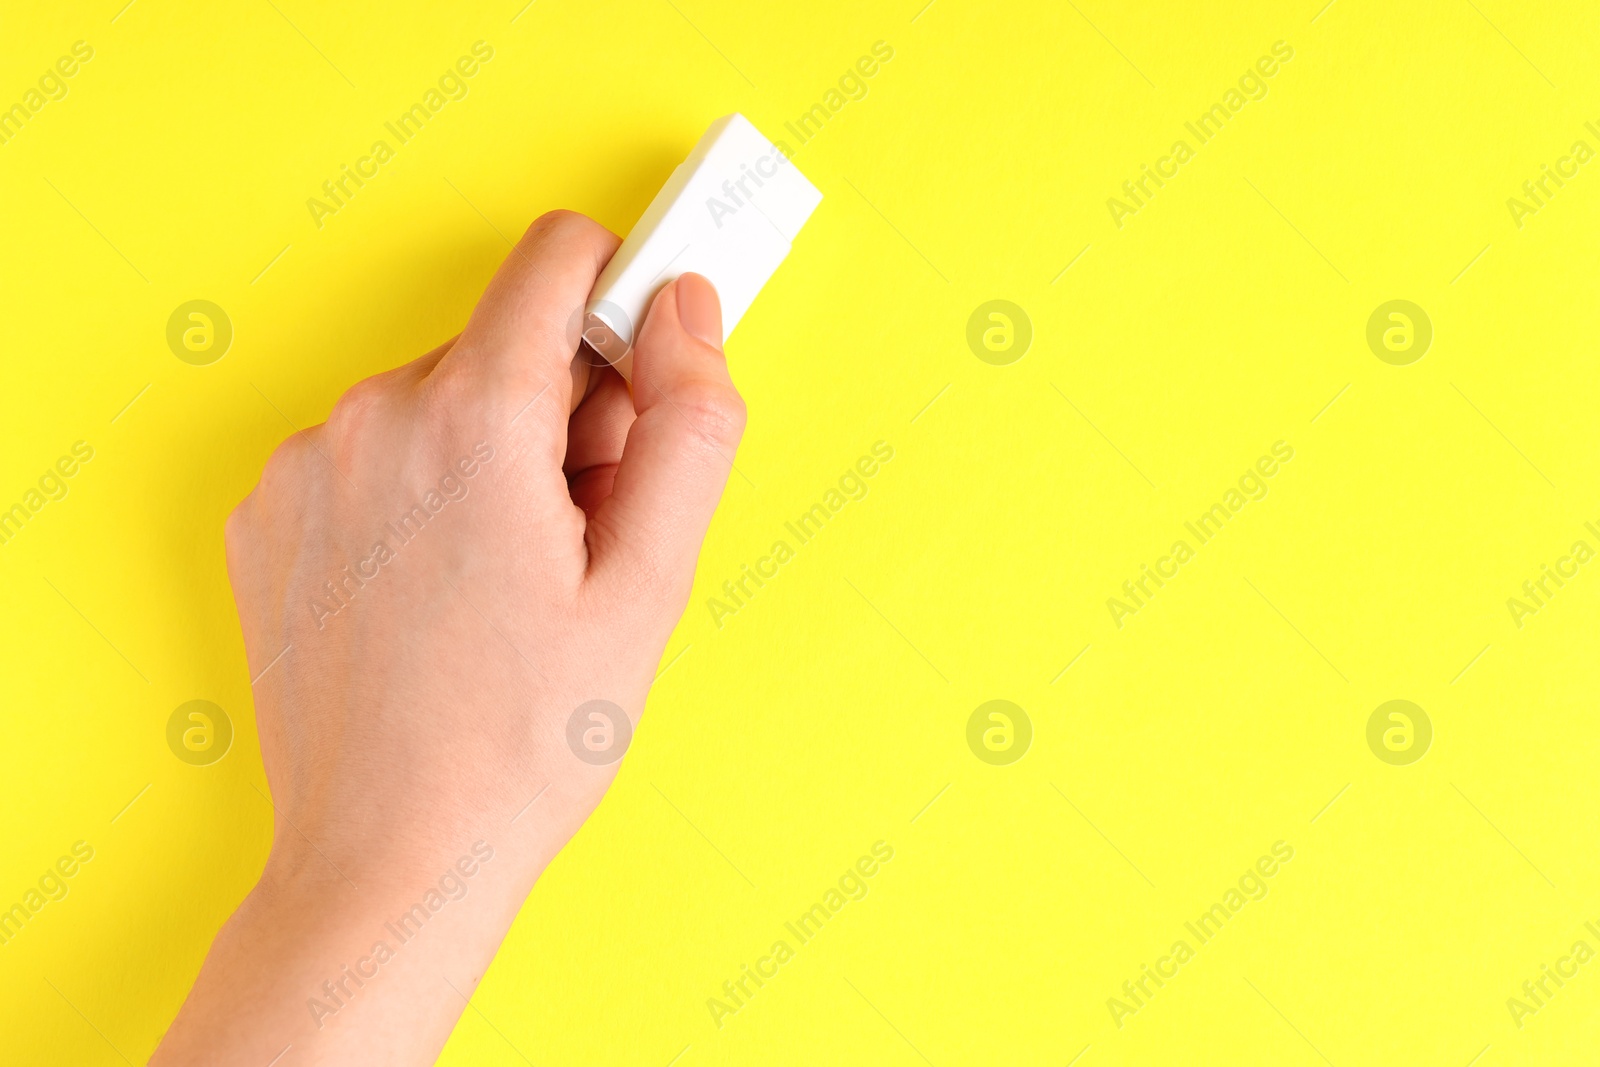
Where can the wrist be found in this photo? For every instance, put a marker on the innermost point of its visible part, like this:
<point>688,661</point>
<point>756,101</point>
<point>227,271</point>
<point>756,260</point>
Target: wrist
<point>323,961</point>
<point>370,890</point>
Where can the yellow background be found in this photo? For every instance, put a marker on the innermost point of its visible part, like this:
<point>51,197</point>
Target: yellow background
<point>828,712</point>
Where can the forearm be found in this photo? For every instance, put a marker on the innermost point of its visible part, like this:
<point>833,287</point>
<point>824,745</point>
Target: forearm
<point>375,969</point>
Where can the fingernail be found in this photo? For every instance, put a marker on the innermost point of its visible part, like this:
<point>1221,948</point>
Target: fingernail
<point>699,309</point>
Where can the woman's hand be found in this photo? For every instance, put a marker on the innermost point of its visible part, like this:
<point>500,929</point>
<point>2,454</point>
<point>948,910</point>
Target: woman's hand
<point>454,596</point>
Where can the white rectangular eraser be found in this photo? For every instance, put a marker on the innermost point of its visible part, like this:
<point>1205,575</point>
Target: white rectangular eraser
<point>729,212</point>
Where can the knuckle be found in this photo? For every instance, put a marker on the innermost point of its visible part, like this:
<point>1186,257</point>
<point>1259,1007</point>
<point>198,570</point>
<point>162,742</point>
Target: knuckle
<point>714,410</point>
<point>284,467</point>
<point>563,224</point>
<point>559,215</point>
<point>236,526</point>
<point>455,398</point>
<point>358,407</point>
<point>454,382</point>
<point>465,401</point>
<point>553,221</point>
<point>650,583</point>
<point>242,538</point>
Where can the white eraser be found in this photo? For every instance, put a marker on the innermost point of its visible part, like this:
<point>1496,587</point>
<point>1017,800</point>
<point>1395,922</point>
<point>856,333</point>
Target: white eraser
<point>729,212</point>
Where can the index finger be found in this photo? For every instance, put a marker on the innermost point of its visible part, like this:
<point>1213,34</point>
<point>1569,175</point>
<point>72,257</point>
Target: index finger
<point>524,332</point>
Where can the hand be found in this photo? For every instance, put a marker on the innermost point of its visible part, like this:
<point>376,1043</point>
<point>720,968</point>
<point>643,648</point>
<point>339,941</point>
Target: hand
<point>430,585</point>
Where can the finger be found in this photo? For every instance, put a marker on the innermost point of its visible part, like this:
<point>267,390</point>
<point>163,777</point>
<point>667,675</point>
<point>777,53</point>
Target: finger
<point>595,438</point>
<point>524,331</point>
<point>588,371</point>
<point>679,449</point>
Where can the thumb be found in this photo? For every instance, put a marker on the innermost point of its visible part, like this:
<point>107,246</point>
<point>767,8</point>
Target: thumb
<point>679,450</point>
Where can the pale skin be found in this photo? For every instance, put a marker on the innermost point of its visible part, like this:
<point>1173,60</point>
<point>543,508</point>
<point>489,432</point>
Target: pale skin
<point>412,726</point>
